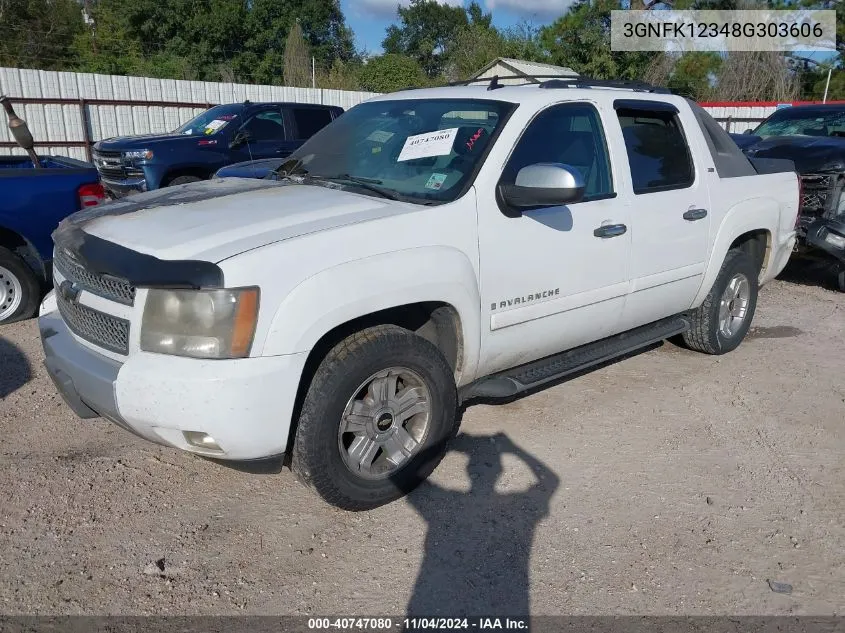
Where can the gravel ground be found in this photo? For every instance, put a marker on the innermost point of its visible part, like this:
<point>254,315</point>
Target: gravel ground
<point>670,483</point>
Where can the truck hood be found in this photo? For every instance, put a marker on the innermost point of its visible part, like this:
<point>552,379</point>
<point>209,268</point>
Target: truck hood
<point>145,141</point>
<point>811,154</point>
<point>216,219</point>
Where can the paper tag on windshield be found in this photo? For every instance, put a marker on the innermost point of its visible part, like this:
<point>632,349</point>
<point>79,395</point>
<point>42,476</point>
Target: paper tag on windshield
<point>380,136</point>
<point>215,125</point>
<point>437,143</point>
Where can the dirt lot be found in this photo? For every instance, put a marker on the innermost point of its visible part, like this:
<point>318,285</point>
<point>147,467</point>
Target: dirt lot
<point>670,483</point>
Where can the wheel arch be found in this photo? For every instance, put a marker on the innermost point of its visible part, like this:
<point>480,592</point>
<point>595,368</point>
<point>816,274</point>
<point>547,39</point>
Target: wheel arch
<point>199,171</point>
<point>24,249</point>
<point>748,226</point>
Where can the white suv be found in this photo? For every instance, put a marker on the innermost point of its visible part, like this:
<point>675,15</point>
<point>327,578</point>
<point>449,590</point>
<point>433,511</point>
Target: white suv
<point>425,247</point>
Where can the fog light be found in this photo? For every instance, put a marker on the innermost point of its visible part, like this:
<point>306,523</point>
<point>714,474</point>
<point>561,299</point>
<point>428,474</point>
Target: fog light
<point>835,240</point>
<point>201,440</point>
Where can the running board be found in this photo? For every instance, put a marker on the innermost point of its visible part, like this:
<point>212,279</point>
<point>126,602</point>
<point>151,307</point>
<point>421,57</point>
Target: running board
<point>539,372</point>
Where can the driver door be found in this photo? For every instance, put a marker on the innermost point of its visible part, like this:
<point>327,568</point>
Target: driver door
<point>552,278</point>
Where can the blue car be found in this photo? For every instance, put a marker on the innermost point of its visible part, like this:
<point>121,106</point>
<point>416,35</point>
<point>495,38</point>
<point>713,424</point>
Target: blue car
<point>220,136</point>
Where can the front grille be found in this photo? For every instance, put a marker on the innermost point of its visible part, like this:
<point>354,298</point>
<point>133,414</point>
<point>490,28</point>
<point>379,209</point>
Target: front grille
<point>106,287</point>
<point>103,330</point>
<point>110,164</point>
<point>817,190</point>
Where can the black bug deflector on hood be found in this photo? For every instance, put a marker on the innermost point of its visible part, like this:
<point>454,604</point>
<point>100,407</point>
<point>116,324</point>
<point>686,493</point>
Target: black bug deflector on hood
<point>141,270</point>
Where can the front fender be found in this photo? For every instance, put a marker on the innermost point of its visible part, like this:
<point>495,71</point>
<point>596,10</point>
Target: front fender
<point>347,291</point>
<point>749,215</point>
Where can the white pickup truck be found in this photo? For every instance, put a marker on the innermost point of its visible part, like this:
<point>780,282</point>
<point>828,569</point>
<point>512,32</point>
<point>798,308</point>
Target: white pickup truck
<point>427,247</point>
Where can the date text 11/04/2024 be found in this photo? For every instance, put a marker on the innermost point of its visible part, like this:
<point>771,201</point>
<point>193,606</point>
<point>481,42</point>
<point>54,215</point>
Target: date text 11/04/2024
<point>418,624</point>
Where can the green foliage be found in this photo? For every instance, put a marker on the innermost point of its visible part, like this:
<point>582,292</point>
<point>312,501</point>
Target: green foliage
<point>231,40</point>
<point>297,61</point>
<point>425,32</point>
<point>581,40</point>
<point>272,41</point>
<point>39,33</point>
<point>391,72</point>
<point>340,76</point>
<point>694,73</point>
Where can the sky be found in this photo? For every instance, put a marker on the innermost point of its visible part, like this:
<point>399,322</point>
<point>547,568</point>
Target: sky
<point>370,18</point>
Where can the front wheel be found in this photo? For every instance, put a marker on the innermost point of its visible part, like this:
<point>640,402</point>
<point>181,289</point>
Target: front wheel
<point>720,324</point>
<point>183,180</point>
<point>19,288</point>
<point>376,419</point>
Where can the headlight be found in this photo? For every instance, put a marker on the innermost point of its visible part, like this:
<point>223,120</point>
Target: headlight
<point>835,240</point>
<point>139,154</point>
<point>200,323</point>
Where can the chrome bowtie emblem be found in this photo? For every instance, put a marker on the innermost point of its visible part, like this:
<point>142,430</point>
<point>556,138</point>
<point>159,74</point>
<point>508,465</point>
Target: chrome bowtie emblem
<point>69,291</point>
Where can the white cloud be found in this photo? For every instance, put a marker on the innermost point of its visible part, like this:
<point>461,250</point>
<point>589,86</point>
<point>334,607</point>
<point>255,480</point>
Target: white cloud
<point>543,9</point>
<point>387,8</point>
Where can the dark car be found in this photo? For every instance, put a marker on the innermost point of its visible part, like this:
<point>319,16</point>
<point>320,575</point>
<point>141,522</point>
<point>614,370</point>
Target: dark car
<point>813,137</point>
<point>250,168</point>
<point>220,136</point>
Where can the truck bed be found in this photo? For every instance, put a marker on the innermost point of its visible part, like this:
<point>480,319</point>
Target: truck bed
<point>15,165</point>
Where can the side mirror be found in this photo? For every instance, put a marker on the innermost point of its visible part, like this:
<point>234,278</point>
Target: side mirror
<point>241,137</point>
<point>543,185</point>
<point>748,131</point>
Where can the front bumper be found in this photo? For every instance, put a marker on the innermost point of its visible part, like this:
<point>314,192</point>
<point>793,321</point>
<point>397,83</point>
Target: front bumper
<point>245,405</point>
<point>122,188</point>
<point>819,233</point>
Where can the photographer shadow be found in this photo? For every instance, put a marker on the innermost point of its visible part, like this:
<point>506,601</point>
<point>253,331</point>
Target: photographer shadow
<point>478,546</point>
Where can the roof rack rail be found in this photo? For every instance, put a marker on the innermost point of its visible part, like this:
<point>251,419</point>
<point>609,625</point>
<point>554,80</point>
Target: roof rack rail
<point>586,82</point>
<point>558,81</point>
<point>495,80</point>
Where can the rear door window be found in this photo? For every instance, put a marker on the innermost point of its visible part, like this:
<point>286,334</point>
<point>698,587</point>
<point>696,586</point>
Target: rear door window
<point>266,125</point>
<point>309,121</point>
<point>657,150</point>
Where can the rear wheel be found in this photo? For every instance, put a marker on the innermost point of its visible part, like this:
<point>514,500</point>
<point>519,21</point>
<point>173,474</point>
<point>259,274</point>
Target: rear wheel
<point>19,288</point>
<point>376,418</point>
<point>720,324</point>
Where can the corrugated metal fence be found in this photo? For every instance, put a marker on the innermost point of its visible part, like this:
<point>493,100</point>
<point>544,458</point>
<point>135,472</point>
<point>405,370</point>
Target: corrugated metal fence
<point>68,111</point>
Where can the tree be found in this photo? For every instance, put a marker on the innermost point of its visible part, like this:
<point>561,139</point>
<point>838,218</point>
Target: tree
<point>322,22</point>
<point>341,76</point>
<point>756,76</point>
<point>427,29</point>
<point>236,40</point>
<point>39,33</point>
<point>581,40</point>
<point>297,59</point>
<point>391,72</point>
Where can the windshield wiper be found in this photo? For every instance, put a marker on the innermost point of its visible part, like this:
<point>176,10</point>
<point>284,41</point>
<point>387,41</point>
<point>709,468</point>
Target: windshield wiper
<point>370,184</point>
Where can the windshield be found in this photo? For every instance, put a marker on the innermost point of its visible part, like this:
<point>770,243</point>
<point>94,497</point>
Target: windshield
<point>211,121</point>
<point>803,122</point>
<point>420,151</point>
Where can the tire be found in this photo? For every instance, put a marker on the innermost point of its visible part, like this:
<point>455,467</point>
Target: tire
<point>183,180</point>
<point>840,278</point>
<point>346,381</point>
<point>837,205</point>
<point>19,288</point>
<point>706,333</point>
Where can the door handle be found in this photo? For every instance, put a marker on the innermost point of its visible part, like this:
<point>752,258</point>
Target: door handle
<point>695,214</point>
<point>610,230</point>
